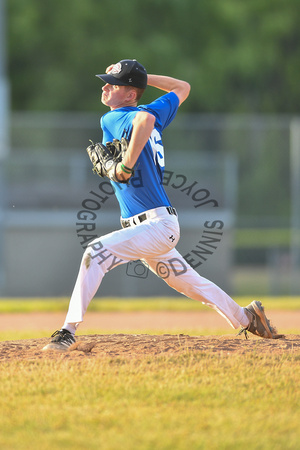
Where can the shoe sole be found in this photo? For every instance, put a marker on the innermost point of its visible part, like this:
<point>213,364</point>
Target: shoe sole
<point>259,309</point>
<point>57,347</point>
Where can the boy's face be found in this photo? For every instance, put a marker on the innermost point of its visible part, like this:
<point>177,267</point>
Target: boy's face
<point>115,96</point>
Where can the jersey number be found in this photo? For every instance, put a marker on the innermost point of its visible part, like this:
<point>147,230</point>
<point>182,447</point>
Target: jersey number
<point>157,148</point>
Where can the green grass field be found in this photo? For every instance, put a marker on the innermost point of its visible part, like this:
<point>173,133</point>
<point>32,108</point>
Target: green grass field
<point>17,305</point>
<point>194,401</point>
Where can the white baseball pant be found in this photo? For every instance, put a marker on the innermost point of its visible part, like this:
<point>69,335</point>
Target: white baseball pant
<point>153,242</point>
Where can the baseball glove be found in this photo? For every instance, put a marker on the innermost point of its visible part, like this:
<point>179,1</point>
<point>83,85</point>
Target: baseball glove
<point>106,157</point>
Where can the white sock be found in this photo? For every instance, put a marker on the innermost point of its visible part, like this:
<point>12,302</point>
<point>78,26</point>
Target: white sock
<point>71,327</point>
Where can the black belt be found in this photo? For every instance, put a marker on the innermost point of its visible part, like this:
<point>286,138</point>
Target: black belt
<point>125,223</point>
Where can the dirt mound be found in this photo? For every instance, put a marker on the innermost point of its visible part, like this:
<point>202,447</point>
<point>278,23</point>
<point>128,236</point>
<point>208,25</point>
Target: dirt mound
<point>139,346</point>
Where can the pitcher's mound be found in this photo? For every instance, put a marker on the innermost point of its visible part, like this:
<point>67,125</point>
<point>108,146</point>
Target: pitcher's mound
<point>144,345</point>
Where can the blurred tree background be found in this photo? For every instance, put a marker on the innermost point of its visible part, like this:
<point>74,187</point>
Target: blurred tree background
<point>242,59</point>
<point>239,56</point>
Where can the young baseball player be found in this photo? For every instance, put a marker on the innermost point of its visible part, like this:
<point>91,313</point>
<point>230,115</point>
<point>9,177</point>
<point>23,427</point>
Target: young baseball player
<point>150,229</point>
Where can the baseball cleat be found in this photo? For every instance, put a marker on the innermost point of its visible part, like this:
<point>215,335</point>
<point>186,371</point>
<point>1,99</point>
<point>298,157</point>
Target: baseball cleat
<point>259,324</point>
<point>61,341</point>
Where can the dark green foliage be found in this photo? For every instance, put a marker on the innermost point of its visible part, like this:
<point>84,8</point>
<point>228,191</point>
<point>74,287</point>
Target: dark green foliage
<point>238,56</point>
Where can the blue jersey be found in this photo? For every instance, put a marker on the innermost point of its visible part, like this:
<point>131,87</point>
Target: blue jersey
<point>145,190</point>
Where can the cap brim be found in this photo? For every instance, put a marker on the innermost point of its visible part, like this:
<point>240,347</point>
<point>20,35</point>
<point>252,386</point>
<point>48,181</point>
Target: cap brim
<point>107,78</point>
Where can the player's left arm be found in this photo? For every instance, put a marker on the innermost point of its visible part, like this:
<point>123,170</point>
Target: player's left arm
<point>142,127</point>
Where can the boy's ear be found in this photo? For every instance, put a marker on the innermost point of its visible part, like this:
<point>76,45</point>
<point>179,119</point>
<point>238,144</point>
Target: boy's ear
<point>132,94</point>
